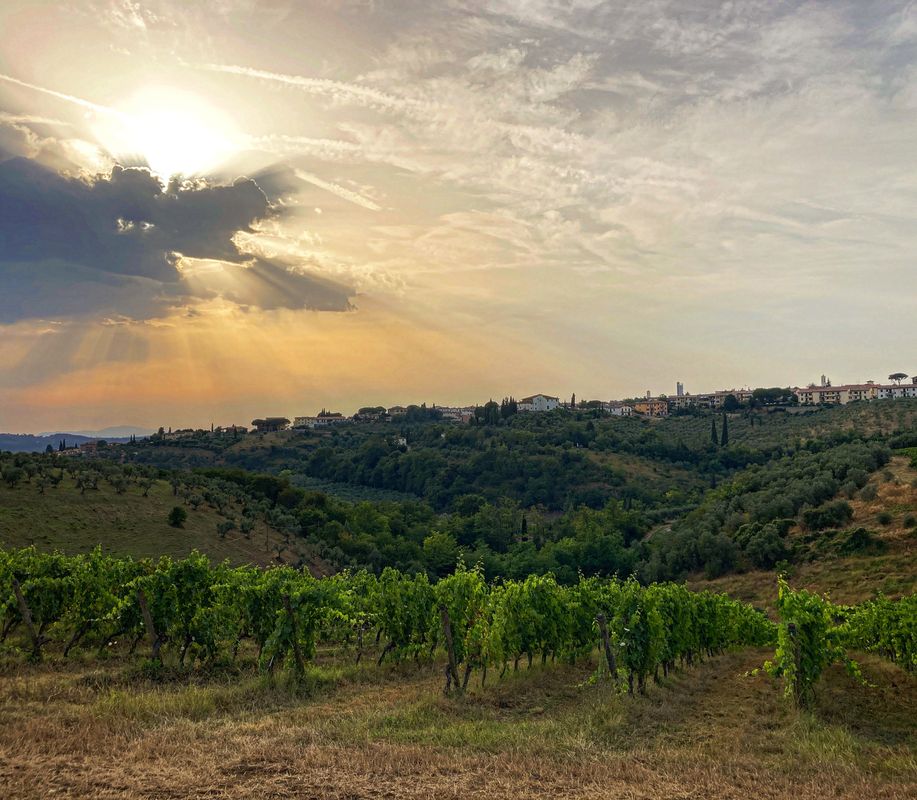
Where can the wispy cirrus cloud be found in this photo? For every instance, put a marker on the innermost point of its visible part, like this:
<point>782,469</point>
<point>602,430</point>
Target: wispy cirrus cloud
<point>645,182</point>
<point>340,91</point>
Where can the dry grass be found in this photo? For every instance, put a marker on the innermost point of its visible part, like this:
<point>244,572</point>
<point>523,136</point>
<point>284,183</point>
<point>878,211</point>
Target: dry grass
<point>81,731</point>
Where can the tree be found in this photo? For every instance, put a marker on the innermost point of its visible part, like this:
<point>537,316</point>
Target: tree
<point>12,476</point>
<point>713,435</point>
<point>177,517</point>
<point>731,403</point>
<point>724,440</point>
<point>491,413</point>
<point>897,377</point>
<point>440,551</point>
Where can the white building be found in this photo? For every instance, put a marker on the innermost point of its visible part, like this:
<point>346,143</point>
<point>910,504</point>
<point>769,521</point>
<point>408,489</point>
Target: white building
<point>848,393</point>
<point>320,420</point>
<point>538,402</point>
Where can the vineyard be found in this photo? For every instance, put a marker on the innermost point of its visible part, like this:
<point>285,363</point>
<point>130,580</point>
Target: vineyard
<point>194,613</point>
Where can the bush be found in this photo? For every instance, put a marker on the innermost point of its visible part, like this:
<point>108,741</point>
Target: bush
<point>885,518</point>
<point>860,540</point>
<point>868,493</point>
<point>177,517</point>
<point>910,521</point>
<point>830,515</point>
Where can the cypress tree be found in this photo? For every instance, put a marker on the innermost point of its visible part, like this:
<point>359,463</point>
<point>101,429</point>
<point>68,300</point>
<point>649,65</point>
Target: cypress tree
<point>713,437</point>
<point>725,439</point>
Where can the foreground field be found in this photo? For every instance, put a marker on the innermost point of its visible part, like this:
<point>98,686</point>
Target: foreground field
<point>103,731</point>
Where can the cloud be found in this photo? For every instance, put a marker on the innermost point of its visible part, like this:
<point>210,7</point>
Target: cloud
<point>340,91</point>
<point>345,194</point>
<point>69,98</point>
<point>117,241</point>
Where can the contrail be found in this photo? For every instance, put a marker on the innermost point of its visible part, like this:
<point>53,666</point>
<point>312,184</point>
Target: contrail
<point>69,98</point>
<point>340,191</point>
<point>320,86</point>
<point>30,119</point>
<point>328,148</point>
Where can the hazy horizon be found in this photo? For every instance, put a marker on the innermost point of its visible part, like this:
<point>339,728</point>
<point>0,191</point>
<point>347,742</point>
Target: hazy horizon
<point>446,202</point>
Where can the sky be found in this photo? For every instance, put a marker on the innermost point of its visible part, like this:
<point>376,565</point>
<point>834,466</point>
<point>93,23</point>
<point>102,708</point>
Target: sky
<point>213,211</point>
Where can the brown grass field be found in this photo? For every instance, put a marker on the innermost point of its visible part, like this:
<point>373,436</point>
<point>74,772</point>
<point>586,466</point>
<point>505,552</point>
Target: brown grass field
<point>104,731</point>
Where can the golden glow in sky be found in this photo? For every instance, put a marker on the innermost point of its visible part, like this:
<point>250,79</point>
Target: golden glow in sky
<point>445,202</point>
<point>173,131</point>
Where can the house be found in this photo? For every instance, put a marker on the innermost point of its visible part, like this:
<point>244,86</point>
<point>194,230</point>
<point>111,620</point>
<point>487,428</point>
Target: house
<point>321,420</point>
<point>617,409</point>
<point>841,395</point>
<point>652,407</point>
<point>895,391</point>
<point>538,402</point>
<point>456,414</point>
<point>397,411</point>
<point>231,430</point>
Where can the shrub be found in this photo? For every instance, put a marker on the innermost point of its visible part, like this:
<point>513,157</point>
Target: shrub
<point>885,518</point>
<point>830,515</point>
<point>177,517</point>
<point>868,493</point>
<point>910,521</point>
<point>859,540</point>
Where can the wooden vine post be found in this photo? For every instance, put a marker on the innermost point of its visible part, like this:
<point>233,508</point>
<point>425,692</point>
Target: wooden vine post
<point>606,644</point>
<point>156,640</point>
<point>26,614</point>
<point>298,659</point>
<point>452,678</point>
<point>798,693</point>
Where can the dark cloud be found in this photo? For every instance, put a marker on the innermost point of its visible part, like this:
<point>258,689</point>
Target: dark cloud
<point>113,244</point>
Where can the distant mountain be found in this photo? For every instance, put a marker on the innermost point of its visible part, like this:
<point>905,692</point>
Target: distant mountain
<point>29,443</point>
<point>116,432</point>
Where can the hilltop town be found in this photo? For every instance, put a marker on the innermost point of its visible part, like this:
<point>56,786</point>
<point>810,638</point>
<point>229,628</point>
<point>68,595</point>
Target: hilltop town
<point>662,405</point>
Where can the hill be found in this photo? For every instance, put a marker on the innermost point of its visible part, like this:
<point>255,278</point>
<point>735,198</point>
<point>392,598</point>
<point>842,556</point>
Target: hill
<point>128,524</point>
<point>636,498</point>
<point>38,443</point>
<point>551,460</point>
<point>881,558</point>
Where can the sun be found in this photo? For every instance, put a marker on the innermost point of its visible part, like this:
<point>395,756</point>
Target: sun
<point>173,131</point>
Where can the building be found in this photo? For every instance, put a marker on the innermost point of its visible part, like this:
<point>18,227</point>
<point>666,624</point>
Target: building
<point>652,407</point>
<point>895,391</point>
<point>679,389</point>
<point>323,419</point>
<point>230,430</point>
<point>618,409</point>
<point>538,402</point>
<point>712,400</point>
<point>456,414</point>
<point>854,392</point>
